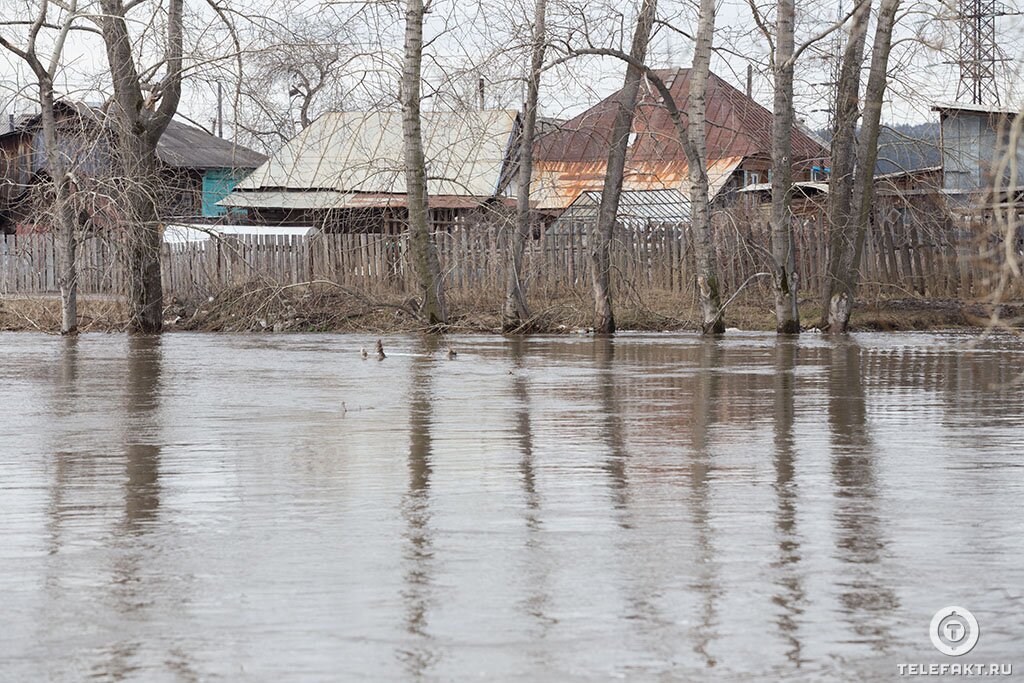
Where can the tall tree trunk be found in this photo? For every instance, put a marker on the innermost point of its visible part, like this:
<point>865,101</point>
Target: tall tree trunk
<point>601,234</point>
<point>709,295</point>
<point>784,276</point>
<point>843,153</point>
<point>63,214</point>
<point>841,304</point>
<point>424,251</point>
<point>516,311</point>
<point>137,128</point>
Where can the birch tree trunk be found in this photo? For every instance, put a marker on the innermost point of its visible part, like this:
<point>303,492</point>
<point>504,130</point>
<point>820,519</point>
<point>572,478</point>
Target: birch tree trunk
<point>846,279</point>
<point>63,213</point>
<point>601,235</point>
<point>784,276</point>
<point>424,251</point>
<point>516,311</point>
<point>843,156</point>
<point>136,129</point>
<point>708,294</point>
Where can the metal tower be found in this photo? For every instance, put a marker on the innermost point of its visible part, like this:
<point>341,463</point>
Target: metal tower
<point>978,52</point>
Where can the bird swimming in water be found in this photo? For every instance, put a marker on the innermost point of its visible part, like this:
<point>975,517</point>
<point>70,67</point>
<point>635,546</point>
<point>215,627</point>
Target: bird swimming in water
<point>452,353</point>
<point>380,350</point>
<point>364,353</point>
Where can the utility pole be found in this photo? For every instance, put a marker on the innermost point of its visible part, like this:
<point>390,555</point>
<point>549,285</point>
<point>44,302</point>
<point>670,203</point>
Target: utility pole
<point>220,109</point>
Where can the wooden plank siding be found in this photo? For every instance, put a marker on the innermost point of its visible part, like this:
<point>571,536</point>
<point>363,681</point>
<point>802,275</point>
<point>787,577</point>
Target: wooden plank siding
<point>899,260</point>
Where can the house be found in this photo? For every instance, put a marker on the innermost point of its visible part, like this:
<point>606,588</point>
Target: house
<point>572,159</point>
<point>346,171</point>
<point>196,168</point>
<point>975,138</point>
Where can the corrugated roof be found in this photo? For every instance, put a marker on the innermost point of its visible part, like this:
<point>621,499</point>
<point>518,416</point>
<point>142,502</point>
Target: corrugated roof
<point>467,154</point>
<point>737,126</point>
<point>636,208</point>
<point>13,123</point>
<point>177,233</point>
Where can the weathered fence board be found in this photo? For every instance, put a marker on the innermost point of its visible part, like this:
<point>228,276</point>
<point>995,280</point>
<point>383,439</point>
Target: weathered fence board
<point>900,258</point>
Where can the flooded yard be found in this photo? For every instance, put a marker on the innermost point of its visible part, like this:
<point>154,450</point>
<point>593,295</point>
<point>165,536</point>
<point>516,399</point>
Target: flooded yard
<point>269,508</point>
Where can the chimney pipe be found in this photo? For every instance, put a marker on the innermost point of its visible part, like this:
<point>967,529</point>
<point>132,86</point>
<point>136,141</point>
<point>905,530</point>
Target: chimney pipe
<point>750,80</point>
<point>480,89</point>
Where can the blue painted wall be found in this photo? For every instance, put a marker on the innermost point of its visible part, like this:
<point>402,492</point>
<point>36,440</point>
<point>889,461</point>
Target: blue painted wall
<point>217,184</point>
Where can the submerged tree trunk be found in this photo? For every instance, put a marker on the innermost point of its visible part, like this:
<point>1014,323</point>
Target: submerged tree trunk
<point>846,279</point>
<point>137,127</point>
<point>601,235</point>
<point>784,276</point>
<point>843,156</point>
<point>424,251</point>
<point>516,311</point>
<point>709,295</point>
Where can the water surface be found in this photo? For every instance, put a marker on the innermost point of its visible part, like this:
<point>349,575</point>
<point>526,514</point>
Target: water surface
<point>657,507</point>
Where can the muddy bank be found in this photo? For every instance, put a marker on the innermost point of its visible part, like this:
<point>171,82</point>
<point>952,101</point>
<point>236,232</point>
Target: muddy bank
<point>255,309</point>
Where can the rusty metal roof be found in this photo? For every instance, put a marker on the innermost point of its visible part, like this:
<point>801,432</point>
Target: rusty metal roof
<point>737,127</point>
<point>361,152</point>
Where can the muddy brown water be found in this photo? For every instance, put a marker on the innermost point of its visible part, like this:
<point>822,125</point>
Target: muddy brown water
<point>657,507</point>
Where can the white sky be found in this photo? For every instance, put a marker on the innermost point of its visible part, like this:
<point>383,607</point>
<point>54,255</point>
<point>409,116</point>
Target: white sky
<point>468,33</point>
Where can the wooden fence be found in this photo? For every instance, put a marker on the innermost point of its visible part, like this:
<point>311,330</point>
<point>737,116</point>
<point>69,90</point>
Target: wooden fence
<point>899,260</point>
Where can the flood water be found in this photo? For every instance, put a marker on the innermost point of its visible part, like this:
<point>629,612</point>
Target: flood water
<point>657,507</point>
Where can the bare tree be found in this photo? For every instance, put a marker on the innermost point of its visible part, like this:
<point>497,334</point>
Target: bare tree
<point>846,276</point>
<point>138,122</point>
<point>844,155</point>
<point>784,274</point>
<point>516,310</point>
<point>601,239</point>
<point>63,212</point>
<point>424,251</point>
<point>709,295</point>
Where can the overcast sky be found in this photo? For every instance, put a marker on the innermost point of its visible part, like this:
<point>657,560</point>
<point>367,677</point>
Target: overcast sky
<point>487,36</point>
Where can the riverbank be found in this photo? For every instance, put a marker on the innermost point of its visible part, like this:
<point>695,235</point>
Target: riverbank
<point>337,310</point>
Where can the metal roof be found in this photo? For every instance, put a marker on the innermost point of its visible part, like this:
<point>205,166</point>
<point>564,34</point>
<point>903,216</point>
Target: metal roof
<point>976,108</point>
<point>637,208</point>
<point>177,233</point>
<point>736,126</point>
<point>467,154</point>
<point>573,158</point>
<point>280,199</point>
<point>557,184</point>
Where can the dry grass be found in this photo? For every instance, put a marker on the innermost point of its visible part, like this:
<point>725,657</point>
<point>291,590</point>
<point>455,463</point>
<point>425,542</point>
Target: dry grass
<point>325,307</point>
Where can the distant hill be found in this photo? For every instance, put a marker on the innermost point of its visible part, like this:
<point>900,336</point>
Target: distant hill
<point>904,147</point>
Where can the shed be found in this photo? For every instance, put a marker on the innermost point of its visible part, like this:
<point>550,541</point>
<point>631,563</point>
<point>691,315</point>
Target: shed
<point>975,138</point>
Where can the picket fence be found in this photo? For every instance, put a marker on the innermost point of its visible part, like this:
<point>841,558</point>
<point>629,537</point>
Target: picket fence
<point>899,260</point>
